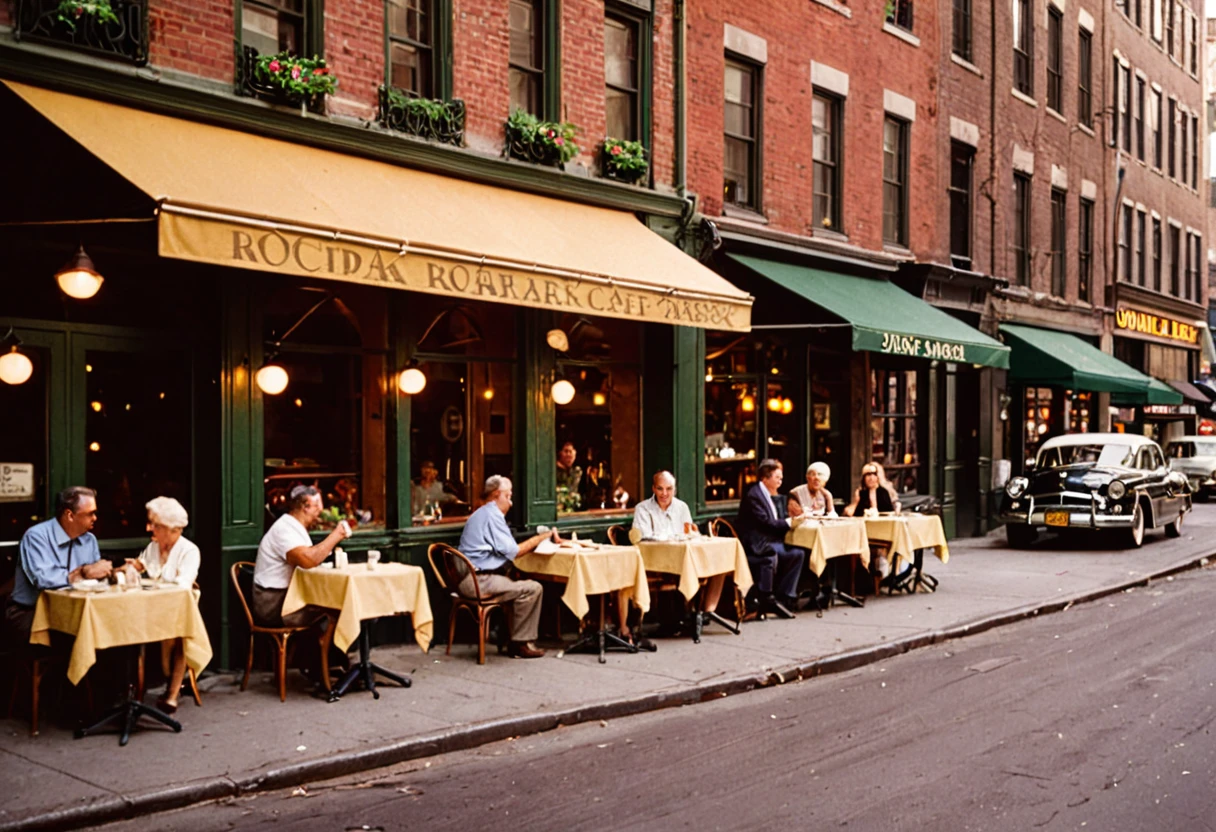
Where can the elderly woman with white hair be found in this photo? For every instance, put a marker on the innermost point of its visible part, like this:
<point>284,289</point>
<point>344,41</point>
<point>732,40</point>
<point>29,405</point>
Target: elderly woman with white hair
<point>814,499</point>
<point>173,559</point>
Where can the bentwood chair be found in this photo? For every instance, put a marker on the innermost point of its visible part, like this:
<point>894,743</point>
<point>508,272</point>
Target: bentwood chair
<point>451,567</point>
<point>242,575</point>
<point>721,527</point>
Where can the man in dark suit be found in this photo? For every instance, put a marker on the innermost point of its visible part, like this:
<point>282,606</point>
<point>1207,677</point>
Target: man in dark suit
<point>762,525</point>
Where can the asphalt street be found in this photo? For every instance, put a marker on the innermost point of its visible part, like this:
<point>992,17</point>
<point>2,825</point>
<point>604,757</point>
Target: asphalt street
<point>1096,718</point>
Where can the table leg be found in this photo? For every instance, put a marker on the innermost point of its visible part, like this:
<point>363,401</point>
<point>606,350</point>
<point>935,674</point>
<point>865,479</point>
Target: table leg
<point>601,640</point>
<point>839,595</point>
<point>127,714</point>
<point>365,671</point>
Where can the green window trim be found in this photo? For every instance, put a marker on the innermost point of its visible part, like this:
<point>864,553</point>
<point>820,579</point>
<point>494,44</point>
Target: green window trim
<point>643,18</point>
<point>441,49</point>
<point>313,41</point>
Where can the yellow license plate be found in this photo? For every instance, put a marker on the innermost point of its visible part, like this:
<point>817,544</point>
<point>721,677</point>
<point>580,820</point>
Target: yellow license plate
<point>1057,518</point>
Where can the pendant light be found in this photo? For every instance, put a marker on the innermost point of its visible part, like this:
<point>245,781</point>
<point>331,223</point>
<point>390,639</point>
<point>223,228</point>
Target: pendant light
<point>412,380</point>
<point>15,366</point>
<point>79,278</point>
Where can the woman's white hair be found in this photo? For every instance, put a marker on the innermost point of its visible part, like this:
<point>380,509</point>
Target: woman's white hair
<point>169,512</point>
<point>822,469</point>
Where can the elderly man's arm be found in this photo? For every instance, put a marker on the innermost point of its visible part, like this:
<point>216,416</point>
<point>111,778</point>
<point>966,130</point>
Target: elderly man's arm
<point>306,557</point>
<point>40,561</point>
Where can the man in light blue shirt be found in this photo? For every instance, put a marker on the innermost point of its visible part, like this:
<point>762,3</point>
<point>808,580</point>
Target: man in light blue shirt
<point>53,554</point>
<point>489,545</point>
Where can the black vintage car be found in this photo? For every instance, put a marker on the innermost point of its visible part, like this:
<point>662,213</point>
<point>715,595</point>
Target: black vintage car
<point>1096,481</point>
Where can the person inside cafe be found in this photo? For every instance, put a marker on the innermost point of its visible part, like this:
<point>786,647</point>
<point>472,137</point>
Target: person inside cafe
<point>814,498</point>
<point>569,474</point>
<point>873,497</point>
<point>664,516</point>
<point>170,558</point>
<point>54,554</point>
<point>890,486</point>
<point>762,524</point>
<point>489,545</point>
<point>429,490</point>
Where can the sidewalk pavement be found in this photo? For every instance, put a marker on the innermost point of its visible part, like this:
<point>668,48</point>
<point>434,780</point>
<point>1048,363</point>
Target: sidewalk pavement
<point>239,742</point>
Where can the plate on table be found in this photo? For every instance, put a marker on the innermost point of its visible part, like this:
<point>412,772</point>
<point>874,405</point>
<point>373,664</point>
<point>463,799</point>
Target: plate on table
<point>90,585</point>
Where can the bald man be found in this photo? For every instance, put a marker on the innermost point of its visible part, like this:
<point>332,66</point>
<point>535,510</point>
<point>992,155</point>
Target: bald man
<point>662,516</point>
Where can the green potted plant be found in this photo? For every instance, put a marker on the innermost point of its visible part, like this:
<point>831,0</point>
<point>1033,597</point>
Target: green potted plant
<point>542,142</point>
<point>428,118</point>
<point>70,12</point>
<point>624,160</point>
<point>292,79</point>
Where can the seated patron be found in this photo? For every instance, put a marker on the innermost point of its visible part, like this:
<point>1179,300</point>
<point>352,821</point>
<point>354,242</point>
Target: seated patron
<point>54,554</point>
<point>662,516</point>
<point>873,497</point>
<point>814,499</point>
<point>173,559</point>
<point>762,525</point>
<point>569,474</point>
<point>489,545</point>
<point>285,547</point>
<point>429,489</point>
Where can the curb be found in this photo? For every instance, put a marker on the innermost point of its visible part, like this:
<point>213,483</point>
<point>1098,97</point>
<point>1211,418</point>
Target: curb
<point>124,807</point>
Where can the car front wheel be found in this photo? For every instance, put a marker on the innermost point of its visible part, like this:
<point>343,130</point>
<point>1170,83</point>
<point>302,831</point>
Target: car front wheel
<point>1135,535</point>
<point>1020,536</point>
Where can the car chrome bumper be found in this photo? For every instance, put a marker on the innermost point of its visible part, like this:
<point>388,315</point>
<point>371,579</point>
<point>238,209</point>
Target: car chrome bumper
<point>1076,519</point>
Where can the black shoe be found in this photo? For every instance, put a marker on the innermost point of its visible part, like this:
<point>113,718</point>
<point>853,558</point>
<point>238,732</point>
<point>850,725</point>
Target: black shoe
<point>778,609</point>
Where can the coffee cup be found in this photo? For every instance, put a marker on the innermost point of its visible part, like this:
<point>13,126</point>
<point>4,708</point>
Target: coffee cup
<point>340,559</point>
<point>373,557</point>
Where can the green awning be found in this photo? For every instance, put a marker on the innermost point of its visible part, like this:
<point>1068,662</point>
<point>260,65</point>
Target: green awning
<point>1050,358</point>
<point>883,316</point>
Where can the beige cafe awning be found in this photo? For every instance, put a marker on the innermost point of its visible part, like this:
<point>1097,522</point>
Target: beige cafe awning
<point>236,199</point>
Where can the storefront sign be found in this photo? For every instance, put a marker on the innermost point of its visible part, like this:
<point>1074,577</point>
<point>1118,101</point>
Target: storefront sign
<point>1146,323</point>
<point>16,482</point>
<point>1169,410</point>
<point>895,344</point>
<point>309,255</point>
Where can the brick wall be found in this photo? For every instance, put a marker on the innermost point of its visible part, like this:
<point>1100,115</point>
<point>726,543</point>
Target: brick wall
<point>852,40</point>
<point>193,36</point>
<point>582,49</point>
<point>480,54</point>
<point>354,50</point>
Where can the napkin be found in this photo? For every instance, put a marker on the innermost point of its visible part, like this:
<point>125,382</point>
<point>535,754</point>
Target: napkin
<point>546,547</point>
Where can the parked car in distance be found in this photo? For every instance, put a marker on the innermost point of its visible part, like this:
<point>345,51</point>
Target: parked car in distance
<point>1096,481</point>
<point>1195,456</point>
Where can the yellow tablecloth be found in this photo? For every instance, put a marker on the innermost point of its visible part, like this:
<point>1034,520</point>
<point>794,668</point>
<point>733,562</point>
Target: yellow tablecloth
<point>905,533</point>
<point>118,618</point>
<point>826,539</point>
<point>592,572</point>
<point>698,558</point>
<point>359,593</point>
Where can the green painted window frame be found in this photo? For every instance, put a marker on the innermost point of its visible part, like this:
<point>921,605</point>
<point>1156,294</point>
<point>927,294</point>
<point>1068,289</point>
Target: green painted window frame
<point>441,49</point>
<point>644,20</point>
<point>314,29</point>
<point>550,52</point>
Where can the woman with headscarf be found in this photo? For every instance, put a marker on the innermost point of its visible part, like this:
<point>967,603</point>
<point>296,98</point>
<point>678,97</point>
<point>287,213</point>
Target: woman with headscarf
<point>814,498</point>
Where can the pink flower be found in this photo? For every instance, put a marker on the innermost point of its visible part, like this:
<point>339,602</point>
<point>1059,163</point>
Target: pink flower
<point>274,66</point>
<point>295,73</point>
<point>551,134</point>
<point>616,150</point>
<point>79,11</point>
<point>559,141</point>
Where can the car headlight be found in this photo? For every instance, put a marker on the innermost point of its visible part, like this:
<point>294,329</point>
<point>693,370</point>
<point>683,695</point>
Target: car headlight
<point>1116,490</point>
<point>1016,487</point>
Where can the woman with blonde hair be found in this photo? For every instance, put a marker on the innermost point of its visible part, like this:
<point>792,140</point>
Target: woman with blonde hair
<point>170,558</point>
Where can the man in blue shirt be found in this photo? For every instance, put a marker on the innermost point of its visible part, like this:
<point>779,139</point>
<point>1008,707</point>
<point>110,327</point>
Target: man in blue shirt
<point>53,554</point>
<point>489,545</point>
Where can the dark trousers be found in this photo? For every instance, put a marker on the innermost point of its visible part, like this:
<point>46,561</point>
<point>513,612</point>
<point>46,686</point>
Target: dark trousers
<point>776,568</point>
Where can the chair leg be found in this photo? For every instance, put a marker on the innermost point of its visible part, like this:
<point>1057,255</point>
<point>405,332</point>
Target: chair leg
<point>282,666</point>
<point>483,627</point>
<point>248,664</point>
<point>198,700</point>
<point>452,627</point>
<point>327,638</point>
<point>36,680</point>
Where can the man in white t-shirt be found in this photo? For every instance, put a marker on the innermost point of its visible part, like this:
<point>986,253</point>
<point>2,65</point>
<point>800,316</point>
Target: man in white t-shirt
<point>284,547</point>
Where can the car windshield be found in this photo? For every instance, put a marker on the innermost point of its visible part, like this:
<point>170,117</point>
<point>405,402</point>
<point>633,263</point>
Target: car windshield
<point>1119,455</point>
<point>1186,450</point>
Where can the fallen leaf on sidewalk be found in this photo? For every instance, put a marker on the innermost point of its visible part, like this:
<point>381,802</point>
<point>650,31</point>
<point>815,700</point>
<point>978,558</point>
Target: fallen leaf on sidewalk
<point>301,748</point>
<point>299,791</point>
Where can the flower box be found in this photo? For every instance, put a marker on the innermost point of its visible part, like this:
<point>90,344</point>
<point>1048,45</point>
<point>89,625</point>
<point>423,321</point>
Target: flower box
<point>624,161</point>
<point>541,142</point>
<point>111,28</point>
<point>426,118</point>
<point>286,79</point>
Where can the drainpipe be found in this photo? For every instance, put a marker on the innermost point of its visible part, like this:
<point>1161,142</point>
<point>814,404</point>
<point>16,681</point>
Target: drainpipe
<point>994,188</point>
<point>679,31</point>
<point>1116,213</point>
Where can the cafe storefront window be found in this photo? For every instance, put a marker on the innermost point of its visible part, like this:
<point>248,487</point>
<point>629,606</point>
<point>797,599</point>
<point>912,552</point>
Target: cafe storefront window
<point>327,427</point>
<point>24,447</point>
<point>750,411</point>
<point>895,426</point>
<point>461,422</point>
<point>599,431</point>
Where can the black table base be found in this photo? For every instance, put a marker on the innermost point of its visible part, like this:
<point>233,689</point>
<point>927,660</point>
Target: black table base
<point>602,640</point>
<point>700,619</point>
<point>365,671</point>
<point>126,715</point>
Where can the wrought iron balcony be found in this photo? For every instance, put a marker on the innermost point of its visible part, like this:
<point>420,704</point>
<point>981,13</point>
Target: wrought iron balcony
<point>426,118</point>
<point>67,24</point>
<point>250,82</point>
